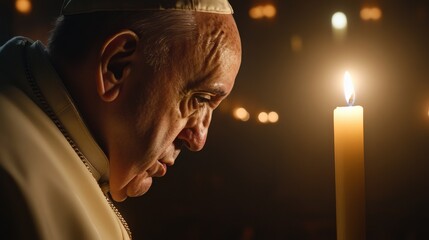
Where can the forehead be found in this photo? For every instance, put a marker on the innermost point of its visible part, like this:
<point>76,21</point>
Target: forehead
<point>213,56</point>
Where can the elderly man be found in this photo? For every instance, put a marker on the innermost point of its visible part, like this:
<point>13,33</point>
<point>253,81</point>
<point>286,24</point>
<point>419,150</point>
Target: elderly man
<point>107,106</point>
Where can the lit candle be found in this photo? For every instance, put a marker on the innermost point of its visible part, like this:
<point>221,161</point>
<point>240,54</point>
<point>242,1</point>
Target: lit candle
<point>349,167</point>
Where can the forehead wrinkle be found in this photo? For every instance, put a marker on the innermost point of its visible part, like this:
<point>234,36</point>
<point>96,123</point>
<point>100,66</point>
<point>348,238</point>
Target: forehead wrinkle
<point>203,81</point>
<point>212,51</point>
<point>211,44</point>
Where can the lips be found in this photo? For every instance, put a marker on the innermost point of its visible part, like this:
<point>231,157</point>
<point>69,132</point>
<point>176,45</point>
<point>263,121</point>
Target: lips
<point>162,170</point>
<point>141,183</point>
<point>166,160</point>
<point>169,156</point>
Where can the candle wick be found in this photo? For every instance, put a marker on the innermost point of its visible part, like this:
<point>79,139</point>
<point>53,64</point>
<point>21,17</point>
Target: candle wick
<point>351,99</point>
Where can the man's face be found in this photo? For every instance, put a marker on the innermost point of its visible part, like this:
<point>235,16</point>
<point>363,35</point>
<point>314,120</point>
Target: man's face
<point>158,112</point>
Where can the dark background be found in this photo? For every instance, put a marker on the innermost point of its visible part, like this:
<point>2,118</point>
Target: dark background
<point>277,181</point>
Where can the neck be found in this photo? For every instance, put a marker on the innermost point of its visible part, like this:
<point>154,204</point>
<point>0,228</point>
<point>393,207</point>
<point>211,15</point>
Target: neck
<point>79,81</point>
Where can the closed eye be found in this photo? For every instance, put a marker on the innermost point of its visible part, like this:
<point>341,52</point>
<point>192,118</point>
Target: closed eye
<point>203,98</point>
<point>210,98</point>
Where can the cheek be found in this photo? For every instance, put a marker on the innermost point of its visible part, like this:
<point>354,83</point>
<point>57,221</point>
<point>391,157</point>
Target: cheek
<point>169,128</point>
<point>155,115</point>
<point>157,129</point>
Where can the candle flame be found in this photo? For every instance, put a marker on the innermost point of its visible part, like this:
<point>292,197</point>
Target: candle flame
<point>349,90</point>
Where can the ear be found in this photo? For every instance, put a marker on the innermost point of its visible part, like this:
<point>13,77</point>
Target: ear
<point>116,56</point>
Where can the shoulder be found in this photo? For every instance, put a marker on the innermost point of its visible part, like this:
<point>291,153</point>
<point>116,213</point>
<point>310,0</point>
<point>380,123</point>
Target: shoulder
<point>17,221</point>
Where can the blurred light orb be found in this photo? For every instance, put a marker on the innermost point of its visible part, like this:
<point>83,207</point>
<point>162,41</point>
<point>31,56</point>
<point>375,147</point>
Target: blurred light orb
<point>269,11</point>
<point>241,114</point>
<point>339,20</point>
<point>263,11</point>
<point>263,117</point>
<point>370,13</point>
<point>256,12</point>
<point>23,6</point>
<point>273,117</point>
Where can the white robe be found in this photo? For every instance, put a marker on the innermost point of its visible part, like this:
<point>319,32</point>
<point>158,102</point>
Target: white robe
<point>59,193</point>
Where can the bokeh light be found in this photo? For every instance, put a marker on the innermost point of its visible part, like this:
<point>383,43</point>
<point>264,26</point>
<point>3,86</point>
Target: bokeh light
<point>269,11</point>
<point>23,6</point>
<point>339,20</point>
<point>241,114</point>
<point>256,12</point>
<point>370,13</point>
<point>273,117</point>
<point>263,117</point>
<point>263,11</point>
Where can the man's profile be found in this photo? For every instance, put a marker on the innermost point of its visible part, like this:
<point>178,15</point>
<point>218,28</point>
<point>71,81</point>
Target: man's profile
<point>120,89</point>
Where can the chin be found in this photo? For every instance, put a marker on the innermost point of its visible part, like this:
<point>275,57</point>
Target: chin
<point>139,185</point>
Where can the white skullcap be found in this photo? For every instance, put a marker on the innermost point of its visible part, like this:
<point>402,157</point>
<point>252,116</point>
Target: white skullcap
<point>71,7</point>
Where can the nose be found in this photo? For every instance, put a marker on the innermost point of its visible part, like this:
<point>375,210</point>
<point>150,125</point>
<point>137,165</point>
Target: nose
<point>195,132</point>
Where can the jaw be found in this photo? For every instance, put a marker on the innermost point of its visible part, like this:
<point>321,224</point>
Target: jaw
<point>139,185</point>
<point>133,181</point>
<point>136,186</point>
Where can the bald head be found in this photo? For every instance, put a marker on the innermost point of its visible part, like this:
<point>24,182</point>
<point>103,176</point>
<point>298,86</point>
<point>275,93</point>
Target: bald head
<point>215,37</point>
<point>217,34</point>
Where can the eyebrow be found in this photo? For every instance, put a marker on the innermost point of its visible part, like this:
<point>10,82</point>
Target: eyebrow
<point>198,84</point>
<point>219,91</point>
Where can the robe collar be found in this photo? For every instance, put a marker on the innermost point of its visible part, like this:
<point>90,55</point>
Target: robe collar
<point>58,98</point>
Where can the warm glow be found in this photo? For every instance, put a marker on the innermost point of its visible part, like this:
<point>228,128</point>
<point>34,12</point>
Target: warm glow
<point>256,12</point>
<point>296,43</point>
<point>370,13</point>
<point>269,11</point>
<point>339,20</point>
<point>263,11</point>
<point>23,6</point>
<point>241,114</point>
<point>263,117</point>
<point>349,90</point>
<point>273,117</point>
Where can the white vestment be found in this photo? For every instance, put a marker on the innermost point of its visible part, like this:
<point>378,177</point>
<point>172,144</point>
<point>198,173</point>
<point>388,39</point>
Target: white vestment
<point>61,195</point>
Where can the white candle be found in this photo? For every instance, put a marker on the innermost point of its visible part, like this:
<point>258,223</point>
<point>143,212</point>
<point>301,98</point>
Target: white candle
<point>349,167</point>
